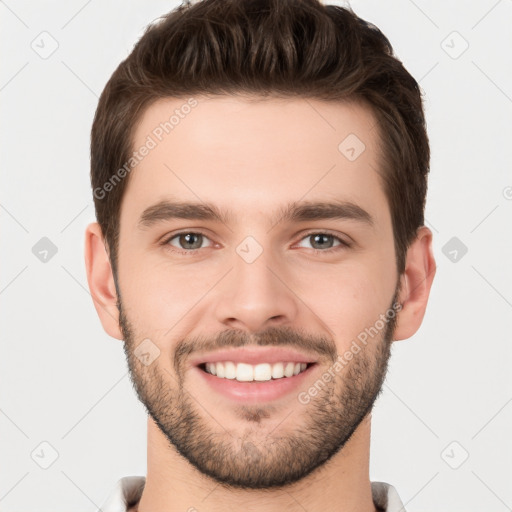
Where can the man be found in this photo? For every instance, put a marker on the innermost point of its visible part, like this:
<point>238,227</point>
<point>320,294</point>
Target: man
<point>259,170</point>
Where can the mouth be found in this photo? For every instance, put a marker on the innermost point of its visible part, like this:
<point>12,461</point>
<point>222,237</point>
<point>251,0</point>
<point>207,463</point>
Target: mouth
<point>262,372</point>
<point>255,374</point>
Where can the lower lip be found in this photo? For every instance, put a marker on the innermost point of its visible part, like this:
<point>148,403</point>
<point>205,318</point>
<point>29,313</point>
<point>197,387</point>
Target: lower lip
<point>256,391</point>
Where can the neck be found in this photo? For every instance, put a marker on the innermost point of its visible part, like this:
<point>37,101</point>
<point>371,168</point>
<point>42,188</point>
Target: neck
<point>340,485</point>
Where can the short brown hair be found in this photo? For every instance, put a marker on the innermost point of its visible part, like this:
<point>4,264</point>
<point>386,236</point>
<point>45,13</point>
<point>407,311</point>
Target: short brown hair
<point>276,48</point>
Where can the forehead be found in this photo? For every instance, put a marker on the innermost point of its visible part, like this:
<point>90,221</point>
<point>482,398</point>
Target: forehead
<point>252,154</point>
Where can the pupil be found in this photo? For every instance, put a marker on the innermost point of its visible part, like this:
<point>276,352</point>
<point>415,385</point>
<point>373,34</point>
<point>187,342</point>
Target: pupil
<point>316,237</point>
<point>186,239</point>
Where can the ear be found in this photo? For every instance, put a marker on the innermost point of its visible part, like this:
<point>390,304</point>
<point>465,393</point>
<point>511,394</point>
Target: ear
<point>416,281</point>
<point>101,280</point>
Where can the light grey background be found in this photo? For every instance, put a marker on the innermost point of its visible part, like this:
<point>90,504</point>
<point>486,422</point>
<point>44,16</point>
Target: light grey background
<point>448,394</point>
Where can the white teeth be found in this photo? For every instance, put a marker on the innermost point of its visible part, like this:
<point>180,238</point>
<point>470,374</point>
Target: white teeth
<point>277,370</point>
<point>230,370</point>
<point>262,372</point>
<point>220,370</point>
<point>288,369</point>
<point>244,372</point>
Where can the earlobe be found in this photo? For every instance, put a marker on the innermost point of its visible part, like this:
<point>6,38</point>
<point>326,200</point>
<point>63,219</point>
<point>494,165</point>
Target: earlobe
<point>101,280</point>
<point>416,282</point>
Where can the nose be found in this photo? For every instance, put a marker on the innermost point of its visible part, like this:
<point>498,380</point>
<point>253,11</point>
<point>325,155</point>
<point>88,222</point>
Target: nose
<point>257,295</point>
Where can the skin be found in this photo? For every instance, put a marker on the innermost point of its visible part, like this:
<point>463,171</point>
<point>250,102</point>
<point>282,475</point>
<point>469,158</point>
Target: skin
<point>215,154</point>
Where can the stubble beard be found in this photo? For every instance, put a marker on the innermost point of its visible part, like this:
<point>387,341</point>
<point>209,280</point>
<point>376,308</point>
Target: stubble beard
<point>256,457</point>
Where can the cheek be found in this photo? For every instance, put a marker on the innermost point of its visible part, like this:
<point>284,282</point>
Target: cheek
<point>160,295</point>
<point>349,298</point>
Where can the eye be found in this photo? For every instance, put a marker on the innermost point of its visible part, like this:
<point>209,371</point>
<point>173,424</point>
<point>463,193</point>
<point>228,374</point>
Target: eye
<point>324,242</point>
<point>189,241</point>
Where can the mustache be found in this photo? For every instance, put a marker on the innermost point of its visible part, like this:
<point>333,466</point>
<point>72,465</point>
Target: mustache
<point>273,337</point>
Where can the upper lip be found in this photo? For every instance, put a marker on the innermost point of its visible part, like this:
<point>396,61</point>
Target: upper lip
<point>254,355</point>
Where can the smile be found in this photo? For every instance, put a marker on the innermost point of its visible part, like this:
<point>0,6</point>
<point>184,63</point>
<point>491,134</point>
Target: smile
<point>244,372</point>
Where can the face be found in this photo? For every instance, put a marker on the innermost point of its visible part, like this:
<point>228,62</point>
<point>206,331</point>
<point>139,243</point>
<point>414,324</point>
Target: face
<point>256,242</point>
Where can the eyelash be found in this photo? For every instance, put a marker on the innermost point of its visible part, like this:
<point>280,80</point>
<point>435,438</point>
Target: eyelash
<point>191,252</point>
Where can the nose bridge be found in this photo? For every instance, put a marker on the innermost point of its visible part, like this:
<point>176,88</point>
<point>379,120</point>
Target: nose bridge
<point>254,297</point>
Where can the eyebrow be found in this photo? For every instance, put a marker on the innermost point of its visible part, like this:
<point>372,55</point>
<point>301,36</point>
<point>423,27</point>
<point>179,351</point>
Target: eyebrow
<point>292,212</point>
